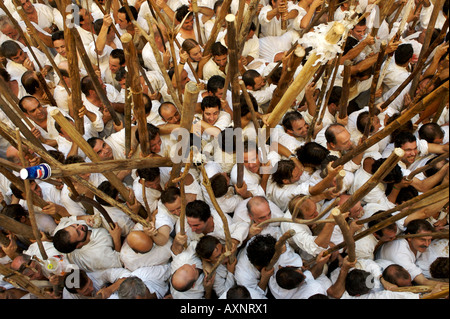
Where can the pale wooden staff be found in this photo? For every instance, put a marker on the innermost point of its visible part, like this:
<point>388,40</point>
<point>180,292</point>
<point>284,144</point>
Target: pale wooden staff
<point>246,22</point>
<point>373,181</point>
<point>330,90</point>
<point>438,295</point>
<point>343,103</point>
<point>340,180</point>
<point>417,70</point>
<point>110,165</point>
<point>406,204</point>
<point>197,21</point>
<point>279,245</point>
<point>27,41</point>
<point>254,119</point>
<point>182,180</point>
<point>74,74</point>
<point>151,6</point>
<point>18,280</point>
<point>384,223</point>
<point>29,198</point>
<point>373,88</point>
<point>43,47</point>
<point>348,237</point>
<point>18,228</point>
<point>216,27</point>
<point>441,234</point>
<point>307,72</point>
<point>17,118</point>
<point>427,166</point>
<point>131,60</point>
<point>228,240</point>
<point>53,162</point>
<point>94,78</point>
<point>240,14</point>
<point>408,8</point>
<point>127,113</point>
<point>217,264</point>
<point>87,149</point>
<point>287,74</point>
<point>151,40</point>
<point>428,33</point>
<point>327,69</point>
<point>191,92</point>
<point>283,16</point>
<point>401,120</point>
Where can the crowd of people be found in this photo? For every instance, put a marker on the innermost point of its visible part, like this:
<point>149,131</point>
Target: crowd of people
<point>255,211</point>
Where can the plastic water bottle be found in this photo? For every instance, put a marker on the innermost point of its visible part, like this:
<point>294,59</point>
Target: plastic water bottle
<point>56,265</point>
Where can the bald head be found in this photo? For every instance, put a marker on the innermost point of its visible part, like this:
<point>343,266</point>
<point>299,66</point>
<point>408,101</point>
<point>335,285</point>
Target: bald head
<point>139,242</point>
<point>184,278</point>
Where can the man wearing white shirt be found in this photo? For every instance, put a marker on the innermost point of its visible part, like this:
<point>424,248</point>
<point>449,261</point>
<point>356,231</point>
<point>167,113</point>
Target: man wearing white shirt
<point>398,69</point>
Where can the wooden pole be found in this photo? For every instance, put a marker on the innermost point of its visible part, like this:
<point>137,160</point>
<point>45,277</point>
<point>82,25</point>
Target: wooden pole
<point>428,33</point>
<point>110,165</point>
<point>373,89</point>
<point>427,166</point>
<point>279,248</point>
<point>233,73</point>
<point>405,117</point>
<point>151,40</point>
<point>348,237</point>
<point>345,89</point>
<point>29,198</point>
<point>286,77</point>
<point>217,264</point>
<point>228,241</point>
<point>131,60</point>
<point>216,27</point>
<point>187,116</point>
<point>87,149</point>
<point>373,181</point>
<point>74,74</point>
<point>94,78</point>
<point>18,280</point>
<point>197,22</point>
<point>18,228</point>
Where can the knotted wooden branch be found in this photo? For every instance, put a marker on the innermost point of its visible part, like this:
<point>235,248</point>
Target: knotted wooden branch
<point>373,181</point>
<point>279,245</point>
<point>228,241</point>
<point>29,198</point>
<point>348,237</point>
<point>427,166</point>
<point>131,60</point>
<point>431,98</point>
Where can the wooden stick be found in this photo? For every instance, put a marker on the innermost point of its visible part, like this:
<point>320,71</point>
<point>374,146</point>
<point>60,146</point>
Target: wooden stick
<point>94,78</point>
<point>216,27</point>
<point>427,166</point>
<point>74,74</point>
<point>279,245</point>
<point>373,181</point>
<point>380,225</point>
<point>18,280</point>
<point>443,234</point>
<point>42,46</point>
<point>408,203</point>
<point>348,237</point>
<point>131,60</point>
<point>151,40</point>
<point>286,76</point>
<point>87,149</point>
<point>428,33</point>
<point>197,22</point>
<point>340,180</point>
<point>438,295</point>
<point>207,183</point>
<point>29,198</point>
<point>345,89</point>
<point>18,228</point>
<point>373,89</point>
<point>183,193</point>
<point>405,117</point>
<point>217,264</point>
<point>244,28</point>
<point>110,165</point>
<point>187,115</point>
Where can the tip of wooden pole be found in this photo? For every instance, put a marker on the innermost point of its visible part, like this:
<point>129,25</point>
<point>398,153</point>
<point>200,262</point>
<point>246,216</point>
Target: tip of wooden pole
<point>342,173</point>
<point>192,87</point>
<point>335,212</point>
<point>54,112</point>
<point>230,17</point>
<point>399,152</point>
<point>126,38</point>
